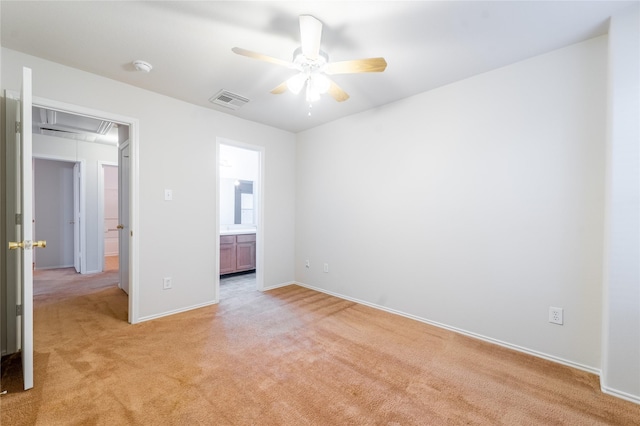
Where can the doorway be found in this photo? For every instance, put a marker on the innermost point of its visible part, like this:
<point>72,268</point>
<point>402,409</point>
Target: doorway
<point>54,216</point>
<point>77,243</point>
<point>94,148</point>
<point>109,215</point>
<point>239,219</point>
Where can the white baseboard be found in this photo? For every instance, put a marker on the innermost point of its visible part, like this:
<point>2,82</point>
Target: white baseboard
<point>589,369</point>
<point>272,287</point>
<point>607,390</point>
<point>175,311</point>
<point>202,305</point>
<point>461,331</point>
<point>53,267</point>
<point>620,394</point>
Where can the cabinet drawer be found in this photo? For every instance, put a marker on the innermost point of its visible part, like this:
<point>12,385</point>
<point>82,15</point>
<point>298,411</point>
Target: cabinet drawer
<point>245,238</point>
<point>227,239</point>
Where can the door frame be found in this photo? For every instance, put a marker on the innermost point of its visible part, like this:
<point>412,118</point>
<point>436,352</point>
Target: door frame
<point>82,239</point>
<point>259,203</point>
<point>134,204</point>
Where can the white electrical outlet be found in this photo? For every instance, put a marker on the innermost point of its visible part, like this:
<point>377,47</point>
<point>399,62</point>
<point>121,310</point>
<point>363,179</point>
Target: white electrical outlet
<point>556,315</point>
<point>166,283</point>
<point>307,264</point>
<point>326,267</point>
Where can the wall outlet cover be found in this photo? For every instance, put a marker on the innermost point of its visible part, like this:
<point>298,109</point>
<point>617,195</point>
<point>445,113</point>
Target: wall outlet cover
<point>556,315</point>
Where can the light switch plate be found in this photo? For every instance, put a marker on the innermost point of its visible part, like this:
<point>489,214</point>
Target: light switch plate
<point>168,195</point>
<point>166,283</point>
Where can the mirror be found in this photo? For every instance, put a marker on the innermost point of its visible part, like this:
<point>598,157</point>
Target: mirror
<point>237,205</point>
<point>243,203</point>
<point>239,184</point>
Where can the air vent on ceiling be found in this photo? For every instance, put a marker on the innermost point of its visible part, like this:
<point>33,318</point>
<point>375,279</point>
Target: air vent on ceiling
<point>104,127</point>
<point>68,134</point>
<point>228,99</point>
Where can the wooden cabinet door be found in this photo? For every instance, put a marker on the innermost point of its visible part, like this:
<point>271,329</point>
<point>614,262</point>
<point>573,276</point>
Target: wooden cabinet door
<point>227,254</point>
<point>245,252</point>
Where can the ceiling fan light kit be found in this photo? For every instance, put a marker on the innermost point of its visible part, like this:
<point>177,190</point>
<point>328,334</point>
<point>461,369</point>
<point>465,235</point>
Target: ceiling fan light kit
<point>313,65</point>
<point>295,83</point>
<point>311,74</point>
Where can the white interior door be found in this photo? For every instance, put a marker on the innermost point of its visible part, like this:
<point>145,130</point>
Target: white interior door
<point>111,245</point>
<point>22,229</point>
<point>77,253</point>
<point>123,215</point>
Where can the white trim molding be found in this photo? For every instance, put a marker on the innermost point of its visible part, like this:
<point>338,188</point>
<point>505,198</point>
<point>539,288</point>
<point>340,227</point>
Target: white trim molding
<point>134,205</point>
<point>619,394</point>
<point>461,331</point>
<point>176,311</point>
<point>273,287</point>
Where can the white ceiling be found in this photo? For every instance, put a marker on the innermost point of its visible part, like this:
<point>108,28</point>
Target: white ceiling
<point>427,44</point>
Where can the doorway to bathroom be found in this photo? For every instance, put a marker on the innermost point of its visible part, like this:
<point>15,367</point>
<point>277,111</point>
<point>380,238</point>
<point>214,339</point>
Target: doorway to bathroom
<point>239,218</point>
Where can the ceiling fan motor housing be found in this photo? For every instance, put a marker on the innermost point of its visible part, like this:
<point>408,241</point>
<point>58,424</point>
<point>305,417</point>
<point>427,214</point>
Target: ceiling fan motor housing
<point>305,64</point>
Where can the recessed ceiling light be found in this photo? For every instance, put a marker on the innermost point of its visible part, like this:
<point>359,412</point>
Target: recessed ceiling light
<point>142,66</point>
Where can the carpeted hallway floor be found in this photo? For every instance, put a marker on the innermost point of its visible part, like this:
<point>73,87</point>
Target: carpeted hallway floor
<point>289,356</point>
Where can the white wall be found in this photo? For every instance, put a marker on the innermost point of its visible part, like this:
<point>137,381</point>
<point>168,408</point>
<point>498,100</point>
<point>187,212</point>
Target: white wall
<point>53,212</point>
<point>90,154</point>
<point>177,150</point>
<point>240,163</point>
<point>621,342</point>
<point>477,205</point>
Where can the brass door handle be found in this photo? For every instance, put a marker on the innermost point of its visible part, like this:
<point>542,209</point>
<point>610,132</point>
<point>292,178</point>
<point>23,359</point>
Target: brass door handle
<point>120,227</point>
<point>13,245</point>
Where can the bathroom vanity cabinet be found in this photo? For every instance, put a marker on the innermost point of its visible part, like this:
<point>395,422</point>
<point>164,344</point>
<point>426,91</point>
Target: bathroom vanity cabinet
<point>237,253</point>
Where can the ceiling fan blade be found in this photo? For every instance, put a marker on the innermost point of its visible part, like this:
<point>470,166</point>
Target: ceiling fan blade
<point>260,56</point>
<point>310,35</point>
<point>336,92</point>
<point>356,66</point>
<point>280,89</point>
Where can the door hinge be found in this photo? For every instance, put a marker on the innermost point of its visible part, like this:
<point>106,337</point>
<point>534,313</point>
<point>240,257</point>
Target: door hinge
<point>18,126</point>
<point>18,310</point>
<point>18,218</point>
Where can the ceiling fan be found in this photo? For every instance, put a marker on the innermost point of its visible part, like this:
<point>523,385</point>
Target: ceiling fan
<point>314,66</point>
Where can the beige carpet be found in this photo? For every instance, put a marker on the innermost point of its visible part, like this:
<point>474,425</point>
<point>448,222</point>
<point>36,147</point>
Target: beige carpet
<point>290,356</point>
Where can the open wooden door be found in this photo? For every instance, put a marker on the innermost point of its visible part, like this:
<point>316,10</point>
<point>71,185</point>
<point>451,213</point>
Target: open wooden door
<point>123,215</point>
<point>77,253</point>
<point>23,245</point>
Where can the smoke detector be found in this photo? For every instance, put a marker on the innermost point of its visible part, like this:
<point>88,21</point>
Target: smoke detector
<point>142,66</point>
